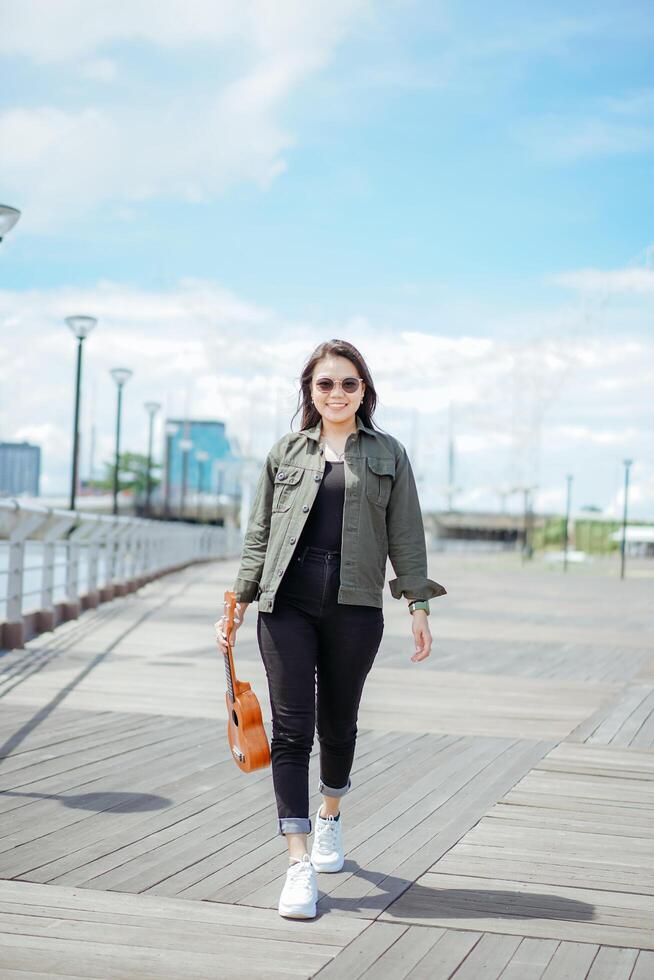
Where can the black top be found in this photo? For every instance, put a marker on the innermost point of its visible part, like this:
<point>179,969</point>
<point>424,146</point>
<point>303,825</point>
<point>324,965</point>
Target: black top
<point>324,525</point>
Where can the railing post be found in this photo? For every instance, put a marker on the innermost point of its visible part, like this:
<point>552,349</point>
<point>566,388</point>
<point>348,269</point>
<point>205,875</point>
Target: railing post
<point>120,582</point>
<point>45,617</point>
<point>96,535</point>
<point>22,525</point>
<point>71,607</point>
<point>108,591</point>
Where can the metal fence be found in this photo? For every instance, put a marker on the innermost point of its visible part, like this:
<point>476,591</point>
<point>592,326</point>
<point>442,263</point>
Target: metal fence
<point>56,563</point>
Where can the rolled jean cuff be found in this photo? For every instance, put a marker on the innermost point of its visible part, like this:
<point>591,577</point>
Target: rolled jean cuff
<point>330,791</point>
<point>294,825</point>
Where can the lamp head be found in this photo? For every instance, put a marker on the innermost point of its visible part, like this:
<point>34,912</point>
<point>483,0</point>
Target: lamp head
<point>121,375</point>
<point>81,326</point>
<point>152,407</point>
<point>8,218</point>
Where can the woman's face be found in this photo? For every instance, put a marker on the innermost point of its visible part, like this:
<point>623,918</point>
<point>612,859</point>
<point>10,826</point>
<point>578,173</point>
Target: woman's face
<point>336,405</point>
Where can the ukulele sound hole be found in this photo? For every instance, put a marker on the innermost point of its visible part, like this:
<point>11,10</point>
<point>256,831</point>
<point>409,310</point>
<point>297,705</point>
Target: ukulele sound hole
<point>234,718</point>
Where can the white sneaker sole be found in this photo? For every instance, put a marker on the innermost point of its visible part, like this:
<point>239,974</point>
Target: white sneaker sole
<point>297,911</point>
<point>328,865</point>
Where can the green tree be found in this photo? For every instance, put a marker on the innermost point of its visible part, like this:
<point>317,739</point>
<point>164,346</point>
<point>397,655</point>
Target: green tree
<point>132,474</point>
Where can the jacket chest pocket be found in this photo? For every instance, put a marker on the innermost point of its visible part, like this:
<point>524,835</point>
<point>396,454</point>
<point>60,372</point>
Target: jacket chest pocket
<point>380,472</point>
<point>287,481</point>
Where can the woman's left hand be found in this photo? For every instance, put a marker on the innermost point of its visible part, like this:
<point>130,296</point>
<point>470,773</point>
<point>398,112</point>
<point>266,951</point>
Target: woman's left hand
<point>421,635</point>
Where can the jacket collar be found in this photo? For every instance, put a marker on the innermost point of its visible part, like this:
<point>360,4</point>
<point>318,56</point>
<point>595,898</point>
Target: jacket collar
<point>314,431</point>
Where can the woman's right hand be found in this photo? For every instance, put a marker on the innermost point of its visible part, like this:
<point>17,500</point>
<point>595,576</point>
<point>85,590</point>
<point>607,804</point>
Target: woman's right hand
<point>221,625</point>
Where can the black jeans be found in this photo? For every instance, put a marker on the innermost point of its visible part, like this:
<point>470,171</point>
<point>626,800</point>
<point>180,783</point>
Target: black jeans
<point>309,636</point>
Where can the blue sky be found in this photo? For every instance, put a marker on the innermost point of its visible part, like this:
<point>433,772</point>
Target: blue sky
<point>382,171</point>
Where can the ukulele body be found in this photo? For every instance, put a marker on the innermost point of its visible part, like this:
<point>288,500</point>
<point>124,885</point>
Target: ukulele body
<point>247,737</point>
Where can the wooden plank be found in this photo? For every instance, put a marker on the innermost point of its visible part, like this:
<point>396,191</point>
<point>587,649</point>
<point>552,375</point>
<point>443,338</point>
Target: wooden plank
<point>613,964</point>
<point>644,968</point>
<point>67,766</point>
<point>405,953</point>
<point>519,908</point>
<point>361,954</point>
<point>436,833</point>
<point>570,961</point>
<point>488,958</point>
<point>442,960</point>
<point>530,959</point>
<point>102,934</point>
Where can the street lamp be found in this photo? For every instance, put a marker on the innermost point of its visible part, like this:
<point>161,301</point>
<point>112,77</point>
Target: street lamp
<point>202,456</point>
<point>185,445</point>
<point>171,431</point>
<point>8,218</point>
<point>623,548</point>
<point>81,327</point>
<point>567,522</point>
<point>121,376</point>
<point>151,408</point>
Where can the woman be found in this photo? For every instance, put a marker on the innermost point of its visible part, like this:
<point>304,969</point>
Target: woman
<point>333,502</point>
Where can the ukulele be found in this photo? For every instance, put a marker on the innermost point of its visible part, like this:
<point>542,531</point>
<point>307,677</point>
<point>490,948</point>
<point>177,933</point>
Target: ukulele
<point>245,732</point>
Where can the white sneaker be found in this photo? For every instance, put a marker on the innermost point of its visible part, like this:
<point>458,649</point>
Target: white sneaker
<point>300,891</point>
<point>327,851</point>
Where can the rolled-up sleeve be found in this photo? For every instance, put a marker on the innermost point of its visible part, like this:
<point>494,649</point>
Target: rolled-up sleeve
<point>255,542</point>
<point>407,548</point>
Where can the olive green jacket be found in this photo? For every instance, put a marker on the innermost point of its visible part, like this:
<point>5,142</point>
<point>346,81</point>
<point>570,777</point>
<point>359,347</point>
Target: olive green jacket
<point>381,519</point>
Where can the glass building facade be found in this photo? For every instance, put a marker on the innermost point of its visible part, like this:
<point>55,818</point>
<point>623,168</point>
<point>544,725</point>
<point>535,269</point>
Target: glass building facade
<point>20,469</point>
<point>219,471</point>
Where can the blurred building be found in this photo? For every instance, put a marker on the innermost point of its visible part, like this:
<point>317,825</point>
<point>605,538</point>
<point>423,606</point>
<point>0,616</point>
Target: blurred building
<point>20,469</point>
<point>479,531</point>
<point>639,540</point>
<point>217,474</point>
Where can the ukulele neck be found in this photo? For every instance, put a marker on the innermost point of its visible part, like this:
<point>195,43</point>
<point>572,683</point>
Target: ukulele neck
<point>229,674</point>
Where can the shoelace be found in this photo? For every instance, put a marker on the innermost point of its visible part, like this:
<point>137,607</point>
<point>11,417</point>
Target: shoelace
<point>326,835</point>
<point>300,873</point>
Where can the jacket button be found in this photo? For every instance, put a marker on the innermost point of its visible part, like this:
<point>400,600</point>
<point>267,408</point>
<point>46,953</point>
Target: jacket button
<point>292,540</point>
<point>317,478</point>
<point>305,508</point>
<point>280,571</point>
<point>281,476</point>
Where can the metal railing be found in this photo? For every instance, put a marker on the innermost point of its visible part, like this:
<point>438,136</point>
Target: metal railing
<point>56,563</point>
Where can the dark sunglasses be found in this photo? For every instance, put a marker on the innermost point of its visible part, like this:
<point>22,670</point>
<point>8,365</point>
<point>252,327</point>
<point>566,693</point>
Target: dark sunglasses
<point>349,385</point>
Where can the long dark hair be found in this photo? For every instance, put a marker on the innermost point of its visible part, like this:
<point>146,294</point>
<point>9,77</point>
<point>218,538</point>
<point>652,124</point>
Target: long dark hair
<point>337,348</point>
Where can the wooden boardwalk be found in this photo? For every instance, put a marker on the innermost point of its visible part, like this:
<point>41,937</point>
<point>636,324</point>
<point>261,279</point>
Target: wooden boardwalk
<point>500,824</point>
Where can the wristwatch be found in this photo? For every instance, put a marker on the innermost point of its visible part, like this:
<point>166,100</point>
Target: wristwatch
<point>419,604</point>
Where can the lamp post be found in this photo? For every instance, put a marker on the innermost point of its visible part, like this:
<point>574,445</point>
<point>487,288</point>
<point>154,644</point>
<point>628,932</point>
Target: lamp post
<point>8,218</point>
<point>527,547</point>
<point>171,431</point>
<point>81,327</point>
<point>121,376</point>
<point>567,522</point>
<point>151,408</point>
<point>202,457</point>
<point>623,547</point>
<point>185,445</point>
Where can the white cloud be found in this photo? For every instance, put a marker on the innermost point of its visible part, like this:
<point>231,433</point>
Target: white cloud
<point>190,145</point>
<point>637,281</point>
<point>57,32</point>
<point>200,348</point>
<point>99,70</point>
